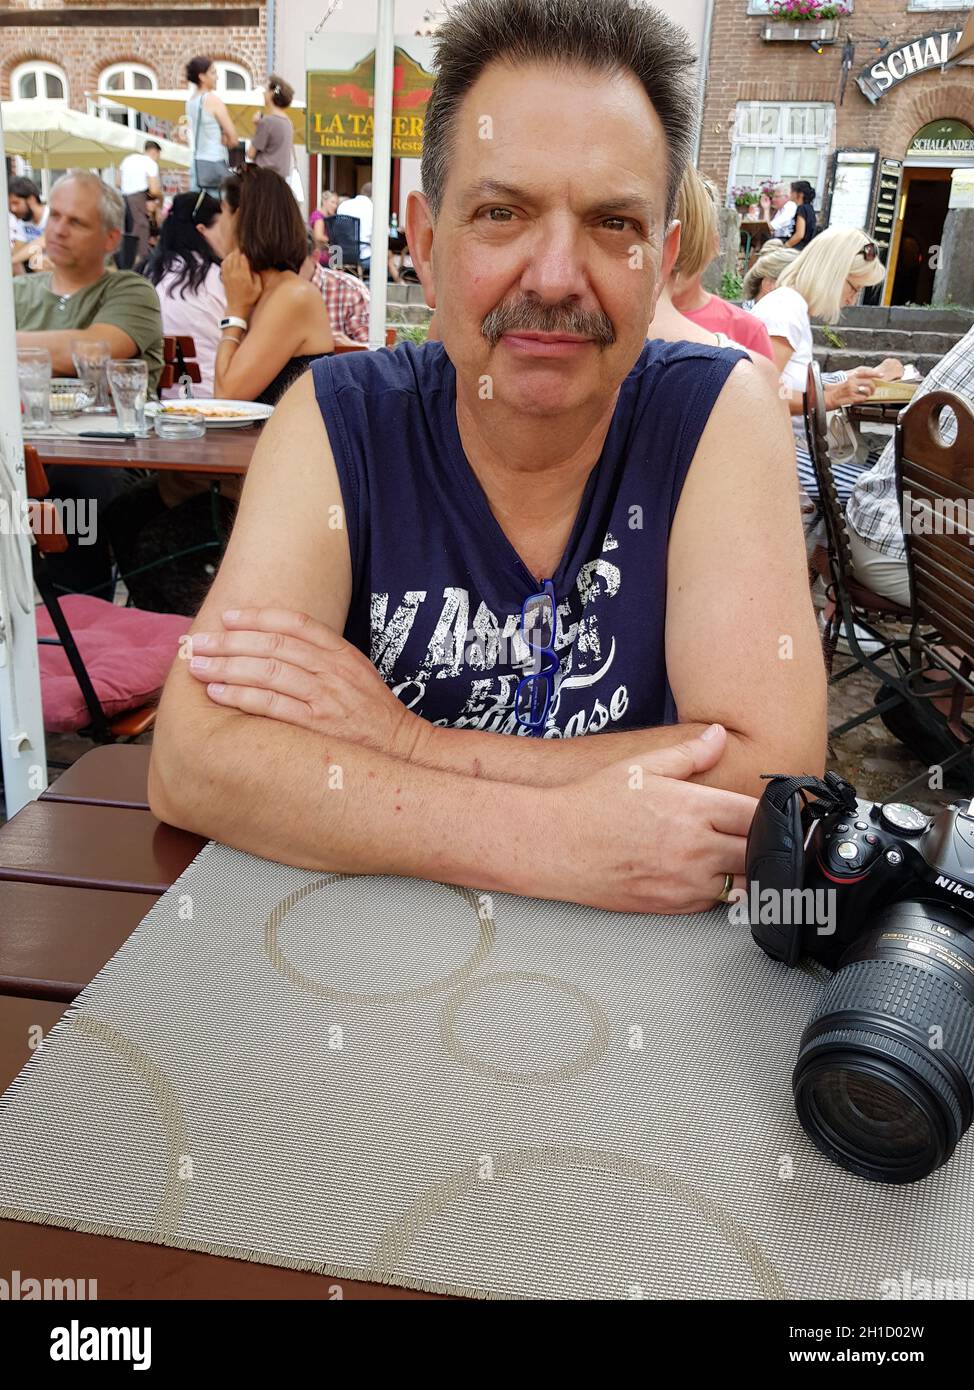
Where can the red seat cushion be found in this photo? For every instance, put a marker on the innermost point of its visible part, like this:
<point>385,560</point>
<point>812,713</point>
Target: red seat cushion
<point>127,654</point>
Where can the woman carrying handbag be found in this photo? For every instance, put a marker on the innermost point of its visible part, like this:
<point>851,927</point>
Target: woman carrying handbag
<point>214,134</point>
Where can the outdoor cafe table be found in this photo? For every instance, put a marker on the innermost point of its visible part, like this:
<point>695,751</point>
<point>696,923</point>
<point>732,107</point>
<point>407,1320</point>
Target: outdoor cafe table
<point>79,869</point>
<point>218,451</point>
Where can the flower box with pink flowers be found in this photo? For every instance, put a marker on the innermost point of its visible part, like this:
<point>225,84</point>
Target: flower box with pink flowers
<point>809,20</point>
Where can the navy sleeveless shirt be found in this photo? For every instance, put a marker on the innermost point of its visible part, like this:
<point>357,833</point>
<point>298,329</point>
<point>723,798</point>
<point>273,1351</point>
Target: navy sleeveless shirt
<point>437,588</point>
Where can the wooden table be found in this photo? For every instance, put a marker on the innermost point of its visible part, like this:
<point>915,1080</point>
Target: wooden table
<point>219,451</point>
<point>79,869</point>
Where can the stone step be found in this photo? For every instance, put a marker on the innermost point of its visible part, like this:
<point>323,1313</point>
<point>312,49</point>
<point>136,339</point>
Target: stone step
<point>891,341</point>
<point>405,294</point>
<point>927,320</point>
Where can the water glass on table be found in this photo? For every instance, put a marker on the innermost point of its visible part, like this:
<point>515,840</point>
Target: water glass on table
<point>129,380</point>
<point>91,359</point>
<point>34,378</point>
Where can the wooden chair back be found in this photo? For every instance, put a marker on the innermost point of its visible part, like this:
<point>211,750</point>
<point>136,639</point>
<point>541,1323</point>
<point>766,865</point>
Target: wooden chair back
<point>935,486</point>
<point>179,353</point>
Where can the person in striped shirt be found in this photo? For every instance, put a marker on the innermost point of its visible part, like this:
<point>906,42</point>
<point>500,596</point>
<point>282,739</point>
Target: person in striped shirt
<point>873,511</point>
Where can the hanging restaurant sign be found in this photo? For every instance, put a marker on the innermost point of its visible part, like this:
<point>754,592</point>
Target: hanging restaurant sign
<point>340,107</point>
<point>919,55</point>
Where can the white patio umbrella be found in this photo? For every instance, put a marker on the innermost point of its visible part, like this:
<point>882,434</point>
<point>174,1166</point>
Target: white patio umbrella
<point>170,105</point>
<point>51,135</point>
<point>22,751</point>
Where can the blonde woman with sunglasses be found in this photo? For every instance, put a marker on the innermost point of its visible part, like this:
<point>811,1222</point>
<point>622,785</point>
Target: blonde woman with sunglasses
<point>823,280</point>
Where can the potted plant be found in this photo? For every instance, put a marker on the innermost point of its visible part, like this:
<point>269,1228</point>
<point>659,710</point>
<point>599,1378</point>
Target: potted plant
<point>804,20</point>
<point>746,201</point>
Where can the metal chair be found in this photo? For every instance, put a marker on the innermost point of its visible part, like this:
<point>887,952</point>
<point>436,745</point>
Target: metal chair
<point>344,235</point>
<point>49,539</point>
<point>851,602</point>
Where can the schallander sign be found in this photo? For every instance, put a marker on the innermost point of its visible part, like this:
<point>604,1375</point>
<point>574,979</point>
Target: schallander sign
<point>919,55</point>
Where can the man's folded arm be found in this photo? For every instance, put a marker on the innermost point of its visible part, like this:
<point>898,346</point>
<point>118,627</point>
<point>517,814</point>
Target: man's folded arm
<point>284,792</point>
<point>59,343</point>
<point>291,795</point>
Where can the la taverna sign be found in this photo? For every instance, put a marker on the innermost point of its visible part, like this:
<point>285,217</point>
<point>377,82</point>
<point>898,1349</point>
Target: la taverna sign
<point>929,51</point>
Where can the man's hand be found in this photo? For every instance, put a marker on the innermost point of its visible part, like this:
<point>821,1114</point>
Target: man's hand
<point>289,667</point>
<point>639,837</point>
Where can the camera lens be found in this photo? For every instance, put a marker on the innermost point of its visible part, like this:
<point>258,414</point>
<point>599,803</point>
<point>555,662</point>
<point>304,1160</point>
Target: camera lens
<point>884,1083</point>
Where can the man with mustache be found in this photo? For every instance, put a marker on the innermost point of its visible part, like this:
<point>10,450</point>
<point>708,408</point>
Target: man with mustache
<point>452,561</point>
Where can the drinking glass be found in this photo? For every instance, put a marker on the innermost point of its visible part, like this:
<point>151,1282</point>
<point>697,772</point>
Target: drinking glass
<point>34,377</point>
<point>91,361</point>
<point>129,381</point>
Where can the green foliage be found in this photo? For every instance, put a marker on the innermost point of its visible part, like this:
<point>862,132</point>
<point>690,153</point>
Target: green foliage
<point>412,333</point>
<point>832,338</point>
<point>731,285</point>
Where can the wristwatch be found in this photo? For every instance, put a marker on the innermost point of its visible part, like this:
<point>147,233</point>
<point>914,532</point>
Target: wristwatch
<point>233,322</point>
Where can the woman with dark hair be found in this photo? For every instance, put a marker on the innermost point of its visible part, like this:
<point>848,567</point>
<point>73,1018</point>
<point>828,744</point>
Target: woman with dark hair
<point>167,530</point>
<point>804,196</point>
<point>185,269</point>
<point>276,322</point>
<point>212,133</point>
<point>273,144</point>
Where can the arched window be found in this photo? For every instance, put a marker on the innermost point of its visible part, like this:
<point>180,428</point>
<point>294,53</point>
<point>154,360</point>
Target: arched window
<point>130,77</point>
<point>39,79</point>
<point>232,77</point>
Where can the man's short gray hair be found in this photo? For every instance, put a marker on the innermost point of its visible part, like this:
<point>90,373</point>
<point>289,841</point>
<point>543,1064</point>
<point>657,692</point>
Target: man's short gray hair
<point>607,35</point>
<point>111,205</point>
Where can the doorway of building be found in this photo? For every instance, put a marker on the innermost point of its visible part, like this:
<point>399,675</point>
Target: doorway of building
<point>923,199</point>
<point>935,152</point>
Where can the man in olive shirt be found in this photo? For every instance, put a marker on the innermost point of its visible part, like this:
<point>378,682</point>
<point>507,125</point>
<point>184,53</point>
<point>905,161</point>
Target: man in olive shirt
<point>81,298</point>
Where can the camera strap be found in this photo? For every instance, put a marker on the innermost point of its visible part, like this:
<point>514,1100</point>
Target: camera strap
<point>832,792</point>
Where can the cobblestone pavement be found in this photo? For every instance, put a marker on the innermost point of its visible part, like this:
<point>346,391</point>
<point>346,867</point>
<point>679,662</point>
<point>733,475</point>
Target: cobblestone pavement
<point>870,757</point>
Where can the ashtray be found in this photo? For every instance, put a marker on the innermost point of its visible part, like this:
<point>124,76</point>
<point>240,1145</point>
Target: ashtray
<point>172,424</point>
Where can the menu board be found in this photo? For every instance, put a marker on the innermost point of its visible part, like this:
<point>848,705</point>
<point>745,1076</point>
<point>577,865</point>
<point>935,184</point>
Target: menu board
<point>884,219</point>
<point>853,175</point>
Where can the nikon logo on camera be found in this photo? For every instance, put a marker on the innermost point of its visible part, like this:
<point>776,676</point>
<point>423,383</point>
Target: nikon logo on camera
<point>961,889</point>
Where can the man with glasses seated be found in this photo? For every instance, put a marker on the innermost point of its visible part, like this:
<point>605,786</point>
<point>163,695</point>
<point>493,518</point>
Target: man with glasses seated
<point>454,565</point>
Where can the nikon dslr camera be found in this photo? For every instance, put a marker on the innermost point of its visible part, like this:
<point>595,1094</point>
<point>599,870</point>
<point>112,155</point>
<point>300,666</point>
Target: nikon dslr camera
<point>883,895</point>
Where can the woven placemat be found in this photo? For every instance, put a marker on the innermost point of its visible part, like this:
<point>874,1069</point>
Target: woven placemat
<point>392,1080</point>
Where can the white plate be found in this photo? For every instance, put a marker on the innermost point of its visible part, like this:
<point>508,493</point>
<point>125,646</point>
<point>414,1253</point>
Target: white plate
<point>243,412</point>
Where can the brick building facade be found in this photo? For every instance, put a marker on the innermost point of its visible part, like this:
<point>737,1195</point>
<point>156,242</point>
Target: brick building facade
<point>779,108</point>
<point>82,38</point>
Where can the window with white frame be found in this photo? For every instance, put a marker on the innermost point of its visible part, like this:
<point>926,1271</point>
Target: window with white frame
<point>231,77</point>
<point>39,79</point>
<point>123,77</point>
<point>938,5</point>
<point>781,142</point>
